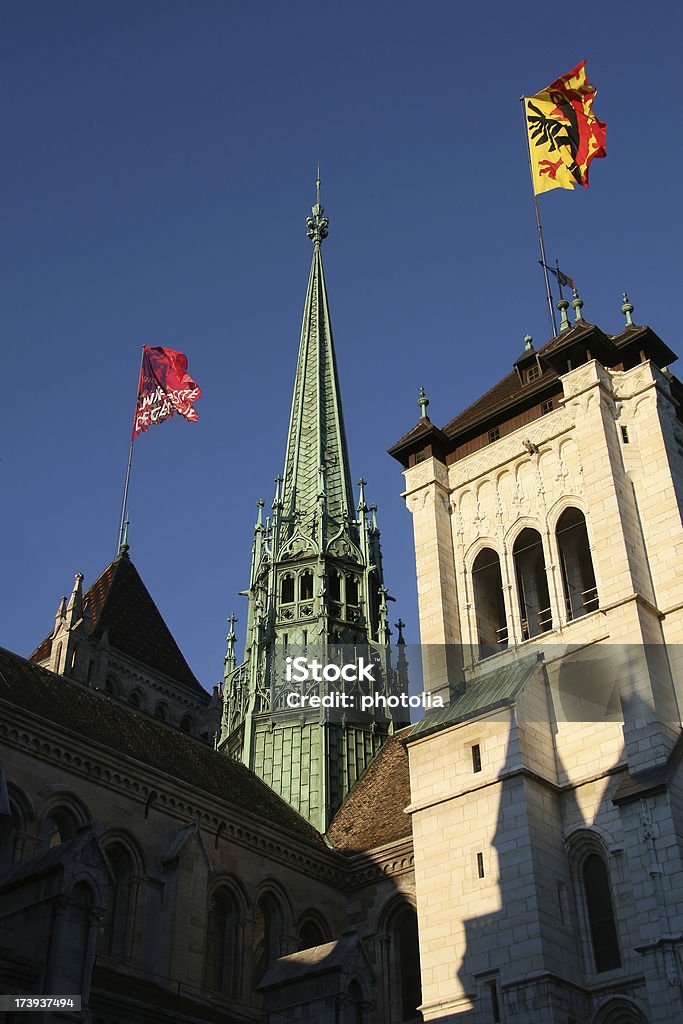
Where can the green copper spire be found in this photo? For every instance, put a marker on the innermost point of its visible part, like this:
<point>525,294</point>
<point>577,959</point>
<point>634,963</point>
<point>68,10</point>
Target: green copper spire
<point>316,458</point>
<point>316,590</point>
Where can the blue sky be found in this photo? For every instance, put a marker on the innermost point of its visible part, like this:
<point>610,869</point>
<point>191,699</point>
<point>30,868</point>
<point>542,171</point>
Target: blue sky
<point>159,166</point>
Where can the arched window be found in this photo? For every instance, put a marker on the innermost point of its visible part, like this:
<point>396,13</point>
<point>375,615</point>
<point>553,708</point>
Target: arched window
<point>9,825</point>
<point>75,935</point>
<point>532,584</point>
<point>489,604</point>
<point>306,586</point>
<point>578,577</point>
<point>310,934</point>
<point>186,724</point>
<point>404,965</point>
<point>161,712</point>
<point>268,928</point>
<point>352,591</point>
<point>59,826</point>
<point>287,590</point>
<point>113,939</point>
<point>111,686</point>
<point>221,960</point>
<point>134,699</point>
<point>334,584</point>
<point>601,922</point>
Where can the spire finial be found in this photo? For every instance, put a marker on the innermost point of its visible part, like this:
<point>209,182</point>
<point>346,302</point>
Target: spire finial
<point>528,343</point>
<point>563,306</point>
<point>317,225</point>
<point>423,402</point>
<point>577,305</point>
<point>400,626</point>
<point>627,309</point>
<point>362,506</point>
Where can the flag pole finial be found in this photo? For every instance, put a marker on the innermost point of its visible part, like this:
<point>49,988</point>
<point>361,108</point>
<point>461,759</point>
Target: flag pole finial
<point>627,309</point>
<point>577,306</point>
<point>423,402</point>
<point>124,545</point>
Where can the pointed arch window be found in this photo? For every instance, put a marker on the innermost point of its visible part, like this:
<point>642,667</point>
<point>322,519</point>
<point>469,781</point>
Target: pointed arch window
<point>487,583</point>
<point>115,931</point>
<point>287,589</point>
<point>532,584</point>
<point>576,563</point>
<point>221,955</point>
<point>306,586</point>
<point>268,929</point>
<point>334,584</point>
<point>404,965</point>
<point>352,591</point>
<point>601,921</point>
<point>186,724</point>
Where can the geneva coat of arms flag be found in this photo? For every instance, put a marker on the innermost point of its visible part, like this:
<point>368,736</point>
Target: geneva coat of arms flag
<point>564,133</point>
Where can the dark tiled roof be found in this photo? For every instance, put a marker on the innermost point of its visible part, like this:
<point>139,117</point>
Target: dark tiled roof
<point>92,715</point>
<point>497,689</point>
<point>510,389</point>
<point>498,398</point>
<point>330,956</point>
<point>372,813</point>
<point>122,606</point>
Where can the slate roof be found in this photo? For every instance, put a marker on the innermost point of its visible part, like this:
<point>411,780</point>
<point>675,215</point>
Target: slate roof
<point>92,715</point>
<point>330,956</point>
<point>497,689</point>
<point>122,606</point>
<point>372,813</point>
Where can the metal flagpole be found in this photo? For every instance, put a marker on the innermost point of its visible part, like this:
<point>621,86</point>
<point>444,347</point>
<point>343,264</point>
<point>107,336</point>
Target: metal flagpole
<point>549,298</point>
<point>124,503</point>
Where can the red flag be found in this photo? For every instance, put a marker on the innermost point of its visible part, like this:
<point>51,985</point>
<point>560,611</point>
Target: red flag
<point>165,388</point>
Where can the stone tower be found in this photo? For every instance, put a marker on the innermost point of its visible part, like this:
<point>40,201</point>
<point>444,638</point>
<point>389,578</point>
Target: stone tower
<point>316,590</point>
<point>548,533</point>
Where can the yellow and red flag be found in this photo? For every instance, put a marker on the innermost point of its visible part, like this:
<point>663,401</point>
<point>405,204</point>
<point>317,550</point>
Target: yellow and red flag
<point>564,133</point>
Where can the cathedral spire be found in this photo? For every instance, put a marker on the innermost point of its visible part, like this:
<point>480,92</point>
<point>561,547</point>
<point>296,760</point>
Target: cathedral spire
<point>316,591</point>
<point>316,456</point>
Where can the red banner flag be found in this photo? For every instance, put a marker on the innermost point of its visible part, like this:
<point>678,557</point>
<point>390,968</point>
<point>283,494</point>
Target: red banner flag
<point>165,388</point>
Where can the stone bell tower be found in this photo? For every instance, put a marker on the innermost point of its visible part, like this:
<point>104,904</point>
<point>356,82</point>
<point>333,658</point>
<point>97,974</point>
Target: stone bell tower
<point>316,589</point>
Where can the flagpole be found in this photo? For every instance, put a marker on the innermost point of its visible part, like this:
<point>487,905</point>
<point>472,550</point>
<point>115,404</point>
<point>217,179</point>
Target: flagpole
<point>124,503</point>
<point>539,228</point>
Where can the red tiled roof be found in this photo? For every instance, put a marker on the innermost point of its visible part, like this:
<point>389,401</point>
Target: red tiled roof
<point>372,813</point>
<point>94,716</point>
<point>122,606</point>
